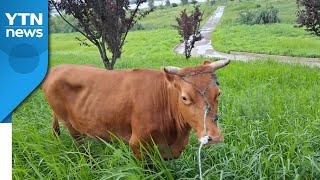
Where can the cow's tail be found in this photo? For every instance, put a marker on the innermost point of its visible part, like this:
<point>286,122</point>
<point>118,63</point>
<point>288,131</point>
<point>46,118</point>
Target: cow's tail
<point>55,125</point>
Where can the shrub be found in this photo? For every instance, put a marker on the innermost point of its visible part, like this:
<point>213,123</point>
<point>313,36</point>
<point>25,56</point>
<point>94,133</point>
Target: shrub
<point>184,2</point>
<point>167,3</point>
<point>151,3</point>
<point>161,6</point>
<point>211,2</point>
<point>194,2</point>
<point>246,16</point>
<point>309,16</point>
<point>138,27</point>
<point>174,5</point>
<point>266,15</point>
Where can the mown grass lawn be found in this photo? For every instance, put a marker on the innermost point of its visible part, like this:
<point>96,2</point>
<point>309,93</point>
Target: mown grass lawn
<point>280,38</point>
<point>270,116</point>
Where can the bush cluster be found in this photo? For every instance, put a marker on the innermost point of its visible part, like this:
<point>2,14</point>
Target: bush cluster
<point>151,3</point>
<point>174,5</point>
<point>167,3</point>
<point>194,2</point>
<point>138,27</point>
<point>184,2</point>
<point>266,15</point>
<point>211,2</point>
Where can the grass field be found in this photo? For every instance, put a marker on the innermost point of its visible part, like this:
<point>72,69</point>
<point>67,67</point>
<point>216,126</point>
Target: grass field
<point>280,38</point>
<point>165,18</point>
<point>270,116</point>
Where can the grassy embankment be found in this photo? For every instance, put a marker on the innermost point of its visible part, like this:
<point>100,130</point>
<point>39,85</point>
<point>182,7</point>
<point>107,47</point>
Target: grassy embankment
<point>280,38</point>
<point>270,116</point>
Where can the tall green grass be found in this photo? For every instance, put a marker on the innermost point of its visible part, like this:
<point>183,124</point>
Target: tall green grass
<point>270,117</point>
<point>280,39</point>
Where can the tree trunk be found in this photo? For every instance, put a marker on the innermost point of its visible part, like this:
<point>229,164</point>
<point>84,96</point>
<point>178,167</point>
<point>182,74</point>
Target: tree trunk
<point>104,58</point>
<point>108,65</point>
<point>186,49</point>
<point>113,61</point>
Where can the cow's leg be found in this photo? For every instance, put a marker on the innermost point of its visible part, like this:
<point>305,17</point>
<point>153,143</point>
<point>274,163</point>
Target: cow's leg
<point>138,150</point>
<point>134,144</point>
<point>55,125</point>
<point>176,151</point>
<point>78,136</point>
<point>179,145</point>
<point>137,145</point>
<point>166,152</point>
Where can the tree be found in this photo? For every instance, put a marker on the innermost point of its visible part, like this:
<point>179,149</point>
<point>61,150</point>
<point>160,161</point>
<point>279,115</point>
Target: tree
<point>184,2</point>
<point>168,3</point>
<point>105,23</point>
<point>309,16</point>
<point>151,3</point>
<point>188,27</point>
<point>194,2</point>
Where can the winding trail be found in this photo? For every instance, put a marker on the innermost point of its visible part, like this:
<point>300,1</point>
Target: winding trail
<point>204,47</point>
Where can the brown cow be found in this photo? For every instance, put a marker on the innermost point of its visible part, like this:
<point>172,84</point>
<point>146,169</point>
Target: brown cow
<point>136,105</point>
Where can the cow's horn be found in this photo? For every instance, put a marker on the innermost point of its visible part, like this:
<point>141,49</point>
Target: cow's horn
<point>219,64</point>
<point>171,69</point>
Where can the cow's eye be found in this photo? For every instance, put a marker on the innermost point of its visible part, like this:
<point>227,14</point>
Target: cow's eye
<point>184,98</point>
<point>219,93</point>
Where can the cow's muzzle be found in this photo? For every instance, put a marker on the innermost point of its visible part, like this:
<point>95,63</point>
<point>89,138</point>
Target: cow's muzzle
<point>211,139</point>
<point>215,139</point>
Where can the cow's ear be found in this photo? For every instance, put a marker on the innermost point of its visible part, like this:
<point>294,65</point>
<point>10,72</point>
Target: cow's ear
<point>168,74</point>
<point>207,62</point>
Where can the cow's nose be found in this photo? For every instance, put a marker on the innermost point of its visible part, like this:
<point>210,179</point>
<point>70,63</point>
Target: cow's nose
<point>215,117</point>
<point>218,138</point>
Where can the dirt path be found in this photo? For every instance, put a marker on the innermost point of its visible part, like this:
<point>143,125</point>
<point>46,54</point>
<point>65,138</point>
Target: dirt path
<point>204,47</point>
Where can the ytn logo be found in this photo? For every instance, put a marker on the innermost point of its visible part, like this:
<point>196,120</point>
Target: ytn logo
<point>22,25</point>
